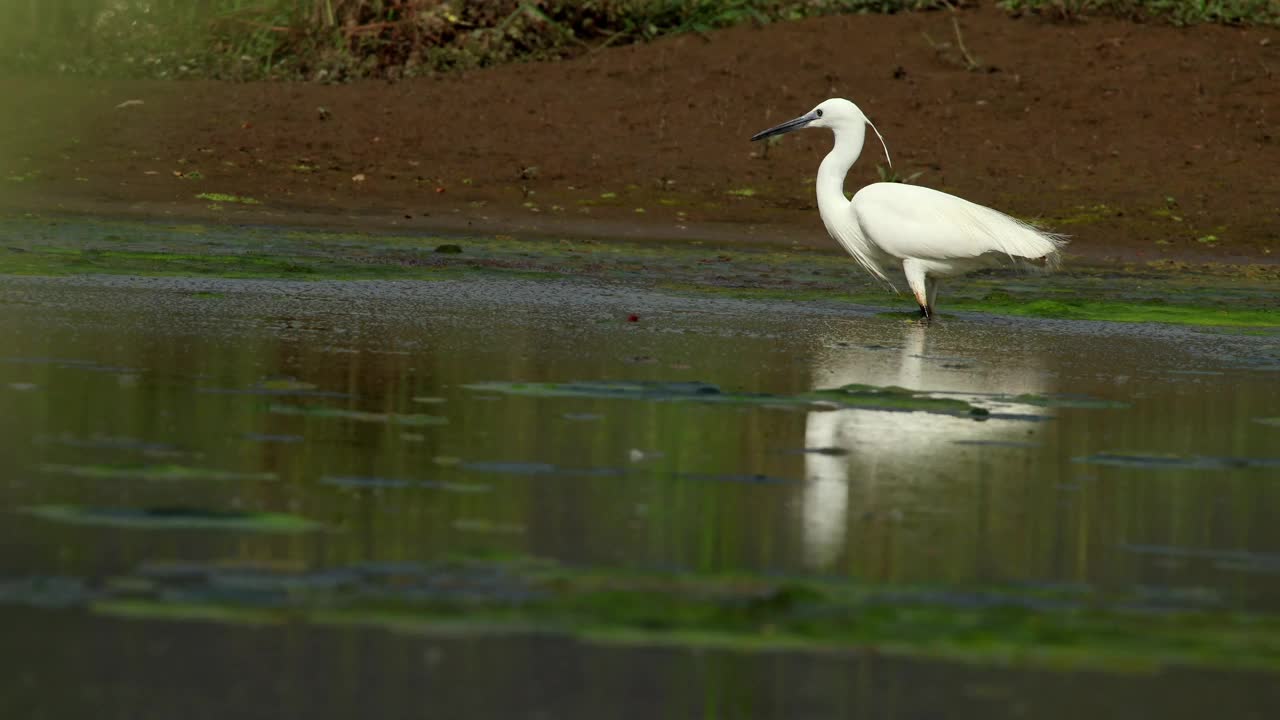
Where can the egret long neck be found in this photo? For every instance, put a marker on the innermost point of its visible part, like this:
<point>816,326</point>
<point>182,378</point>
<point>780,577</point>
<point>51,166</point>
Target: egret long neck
<point>834,207</point>
<point>832,201</point>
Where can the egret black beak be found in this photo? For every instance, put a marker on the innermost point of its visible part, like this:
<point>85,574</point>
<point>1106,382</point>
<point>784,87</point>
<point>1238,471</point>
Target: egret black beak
<point>786,127</point>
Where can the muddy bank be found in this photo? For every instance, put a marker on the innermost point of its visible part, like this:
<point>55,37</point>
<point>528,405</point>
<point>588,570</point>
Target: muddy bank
<point>1143,142</point>
<point>1153,292</point>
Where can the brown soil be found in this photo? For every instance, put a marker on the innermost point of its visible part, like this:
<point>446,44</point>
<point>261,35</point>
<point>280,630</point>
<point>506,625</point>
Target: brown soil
<point>1138,140</point>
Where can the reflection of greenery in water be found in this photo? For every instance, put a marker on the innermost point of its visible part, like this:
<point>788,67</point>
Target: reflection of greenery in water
<point>1059,627</point>
<point>663,517</point>
<point>661,489</point>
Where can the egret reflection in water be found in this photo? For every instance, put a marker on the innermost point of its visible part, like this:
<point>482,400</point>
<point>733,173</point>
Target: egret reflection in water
<point>873,448</point>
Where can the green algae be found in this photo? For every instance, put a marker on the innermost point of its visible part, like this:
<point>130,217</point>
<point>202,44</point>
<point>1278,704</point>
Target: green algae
<point>1164,461</point>
<point>1075,627</point>
<point>1063,307</point>
<point>152,472</point>
<point>285,384</point>
<point>998,635</point>
<point>275,388</point>
<point>358,482</point>
<point>1067,401</point>
<point>151,610</point>
<point>317,411</point>
<point>867,397</point>
<point>173,518</point>
<point>61,262</point>
<point>1083,215</point>
<point>892,398</point>
<point>1132,312</point>
<point>1153,292</point>
<point>226,198</point>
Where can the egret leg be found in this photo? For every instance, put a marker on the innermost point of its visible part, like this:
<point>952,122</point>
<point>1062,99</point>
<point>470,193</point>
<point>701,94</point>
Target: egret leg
<point>916,279</point>
<point>930,294</point>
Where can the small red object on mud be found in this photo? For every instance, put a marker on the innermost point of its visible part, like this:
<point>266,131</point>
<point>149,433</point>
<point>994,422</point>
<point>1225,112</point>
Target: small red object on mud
<point>633,318</point>
<point>440,188</point>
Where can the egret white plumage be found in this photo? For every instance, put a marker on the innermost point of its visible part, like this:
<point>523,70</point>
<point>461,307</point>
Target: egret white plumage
<point>933,234</point>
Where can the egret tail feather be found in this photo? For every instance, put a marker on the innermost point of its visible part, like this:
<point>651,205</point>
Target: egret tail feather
<point>1016,239</point>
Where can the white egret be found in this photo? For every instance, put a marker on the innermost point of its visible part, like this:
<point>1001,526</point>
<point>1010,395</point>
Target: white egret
<point>933,234</point>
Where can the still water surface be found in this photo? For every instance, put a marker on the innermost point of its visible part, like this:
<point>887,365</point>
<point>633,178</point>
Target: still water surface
<point>348,404</point>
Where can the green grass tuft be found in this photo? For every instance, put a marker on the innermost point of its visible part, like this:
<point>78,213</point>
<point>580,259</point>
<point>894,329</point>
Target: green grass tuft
<point>1177,12</point>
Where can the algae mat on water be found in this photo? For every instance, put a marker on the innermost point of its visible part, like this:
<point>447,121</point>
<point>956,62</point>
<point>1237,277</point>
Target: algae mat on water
<point>152,472</point>
<point>173,518</point>
<point>849,396</point>
<point>315,411</point>
<point>1072,627</point>
<point>853,396</point>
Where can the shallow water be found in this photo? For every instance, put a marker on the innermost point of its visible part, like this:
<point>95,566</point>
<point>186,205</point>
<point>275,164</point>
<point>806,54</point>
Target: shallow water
<point>126,669</point>
<point>1113,456</point>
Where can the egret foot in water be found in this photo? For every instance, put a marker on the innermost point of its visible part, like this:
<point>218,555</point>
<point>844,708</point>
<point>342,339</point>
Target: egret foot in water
<point>931,233</point>
<point>925,288</point>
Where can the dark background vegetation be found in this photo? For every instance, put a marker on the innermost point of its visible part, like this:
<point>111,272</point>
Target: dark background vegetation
<point>335,40</point>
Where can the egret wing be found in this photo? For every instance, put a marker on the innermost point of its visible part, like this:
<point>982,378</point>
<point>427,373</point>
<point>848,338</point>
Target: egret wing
<point>910,221</point>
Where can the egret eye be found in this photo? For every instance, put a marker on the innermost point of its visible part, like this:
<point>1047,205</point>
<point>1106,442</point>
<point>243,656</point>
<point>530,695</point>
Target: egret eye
<point>819,113</point>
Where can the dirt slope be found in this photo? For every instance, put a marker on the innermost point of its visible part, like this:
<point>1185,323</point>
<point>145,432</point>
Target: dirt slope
<point>1139,140</point>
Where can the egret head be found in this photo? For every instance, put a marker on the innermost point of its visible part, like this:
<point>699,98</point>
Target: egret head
<point>836,113</point>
